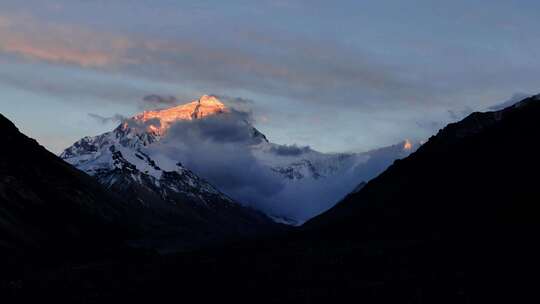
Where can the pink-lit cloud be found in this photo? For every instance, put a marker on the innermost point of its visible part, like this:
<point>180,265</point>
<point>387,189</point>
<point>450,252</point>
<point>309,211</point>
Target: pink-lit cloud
<point>58,54</point>
<point>31,39</point>
<point>286,66</point>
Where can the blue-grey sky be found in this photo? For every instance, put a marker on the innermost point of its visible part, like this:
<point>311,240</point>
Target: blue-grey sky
<point>335,75</point>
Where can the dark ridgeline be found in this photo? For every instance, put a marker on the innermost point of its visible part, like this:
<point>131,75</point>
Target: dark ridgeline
<point>50,211</point>
<point>455,222</point>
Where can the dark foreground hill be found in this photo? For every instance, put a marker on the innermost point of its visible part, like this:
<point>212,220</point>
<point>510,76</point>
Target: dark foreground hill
<point>456,222</point>
<point>49,210</point>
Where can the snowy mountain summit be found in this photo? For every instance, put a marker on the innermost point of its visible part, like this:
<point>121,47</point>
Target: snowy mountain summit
<point>159,121</point>
<point>123,150</point>
<point>125,154</point>
<point>189,151</point>
<point>179,208</point>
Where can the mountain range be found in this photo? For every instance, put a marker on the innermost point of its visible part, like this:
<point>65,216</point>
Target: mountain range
<point>166,151</point>
<point>454,222</point>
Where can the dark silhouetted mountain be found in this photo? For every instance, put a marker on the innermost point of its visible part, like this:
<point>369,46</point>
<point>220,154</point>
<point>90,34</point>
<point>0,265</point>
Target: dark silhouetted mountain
<point>47,206</point>
<point>455,222</point>
<point>479,169</point>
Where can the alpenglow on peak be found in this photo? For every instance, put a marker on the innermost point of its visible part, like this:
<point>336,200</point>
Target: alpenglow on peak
<point>205,106</point>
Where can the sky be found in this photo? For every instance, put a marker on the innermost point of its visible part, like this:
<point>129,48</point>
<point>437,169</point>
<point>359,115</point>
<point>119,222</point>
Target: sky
<point>334,75</point>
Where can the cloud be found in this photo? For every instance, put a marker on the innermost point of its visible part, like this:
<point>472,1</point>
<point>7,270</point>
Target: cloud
<point>57,54</point>
<point>142,125</point>
<point>4,22</point>
<point>290,150</point>
<point>158,100</point>
<point>105,120</point>
<point>219,149</point>
<point>323,69</point>
<point>235,100</point>
<point>456,115</point>
<point>289,67</point>
<point>35,40</point>
<point>68,85</point>
<point>239,103</point>
<point>452,115</point>
<point>431,125</point>
<point>517,97</point>
<point>228,128</point>
<point>324,75</point>
<point>216,148</point>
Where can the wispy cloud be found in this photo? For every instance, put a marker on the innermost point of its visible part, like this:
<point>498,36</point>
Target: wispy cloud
<point>257,62</point>
<point>510,102</point>
<point>44,41</point>
<point>70,86</point>
<point>279,67</point>
<point>56,54</point>
<point>159,100</point>
<point>109,119</point>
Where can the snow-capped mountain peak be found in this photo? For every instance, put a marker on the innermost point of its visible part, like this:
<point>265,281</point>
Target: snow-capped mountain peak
<point>222,146</point>
<point>159,121</point>
<point>170,200</point>
<point>125,148</point>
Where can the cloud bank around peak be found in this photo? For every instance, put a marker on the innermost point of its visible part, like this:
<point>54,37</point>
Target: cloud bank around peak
<point>219,149</point>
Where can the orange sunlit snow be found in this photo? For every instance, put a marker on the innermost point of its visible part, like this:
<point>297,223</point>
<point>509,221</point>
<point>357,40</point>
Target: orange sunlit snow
<point>205,106</point>
<point>407,145</point>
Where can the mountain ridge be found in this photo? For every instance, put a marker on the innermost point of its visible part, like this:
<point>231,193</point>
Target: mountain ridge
<point>453,136</point>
